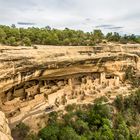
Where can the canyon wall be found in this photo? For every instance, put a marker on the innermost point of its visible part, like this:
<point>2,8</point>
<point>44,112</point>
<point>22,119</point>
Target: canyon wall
<point>42,78</point>
<point>5,133</point>
<point>21,64</point>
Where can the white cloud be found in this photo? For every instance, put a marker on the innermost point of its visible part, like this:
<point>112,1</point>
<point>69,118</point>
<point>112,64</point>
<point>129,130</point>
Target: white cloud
<point>76,14</point>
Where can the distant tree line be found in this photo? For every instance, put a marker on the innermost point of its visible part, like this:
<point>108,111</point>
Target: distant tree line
<point>46,36</point>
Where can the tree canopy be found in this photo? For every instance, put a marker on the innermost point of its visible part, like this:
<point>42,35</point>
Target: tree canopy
<point>48,36</point>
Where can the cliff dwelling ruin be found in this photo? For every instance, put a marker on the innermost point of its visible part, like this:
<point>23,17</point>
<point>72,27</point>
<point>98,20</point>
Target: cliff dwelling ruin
<point>48,78</point>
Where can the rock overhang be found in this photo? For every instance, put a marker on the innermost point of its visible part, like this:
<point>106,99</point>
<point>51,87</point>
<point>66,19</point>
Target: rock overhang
<point>19,68</point>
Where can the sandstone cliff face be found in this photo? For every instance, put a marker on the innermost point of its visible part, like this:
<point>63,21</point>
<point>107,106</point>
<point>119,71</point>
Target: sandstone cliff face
<point>21,64</point>
<point>5,133</point>
<point>34,79</point>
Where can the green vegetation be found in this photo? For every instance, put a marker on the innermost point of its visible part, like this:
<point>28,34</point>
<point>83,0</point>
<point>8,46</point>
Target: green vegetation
<point>21,130</point>
<point>118,121</point>
<point>47,36</point>
<point>131,77</point>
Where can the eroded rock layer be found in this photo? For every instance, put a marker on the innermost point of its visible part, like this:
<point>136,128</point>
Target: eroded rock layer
<point>42,79</point>
<point>5,132</point>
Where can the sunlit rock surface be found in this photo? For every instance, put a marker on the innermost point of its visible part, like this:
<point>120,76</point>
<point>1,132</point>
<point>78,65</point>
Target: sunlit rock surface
<point>19,64</point>
<point>34,79</point>
<point>5,133</point>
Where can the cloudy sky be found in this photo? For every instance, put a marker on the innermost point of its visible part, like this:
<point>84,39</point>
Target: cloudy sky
<point>109,15</point>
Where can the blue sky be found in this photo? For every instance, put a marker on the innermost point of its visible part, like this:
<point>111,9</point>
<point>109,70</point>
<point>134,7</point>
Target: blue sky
<point>109,15</point>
